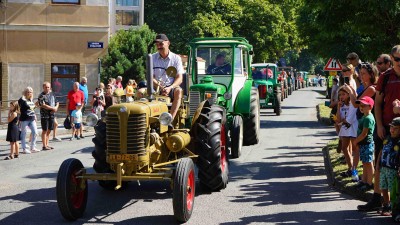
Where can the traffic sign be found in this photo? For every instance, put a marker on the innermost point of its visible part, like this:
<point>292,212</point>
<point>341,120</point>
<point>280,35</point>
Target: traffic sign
<point>333,65</point>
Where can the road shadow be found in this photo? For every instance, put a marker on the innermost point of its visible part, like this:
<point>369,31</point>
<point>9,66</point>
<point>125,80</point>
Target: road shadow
<point>289,124</point>
<point>311,217</point>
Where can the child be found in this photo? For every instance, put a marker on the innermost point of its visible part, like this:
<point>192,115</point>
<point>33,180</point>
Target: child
<point>365,142</point>
<point>388,164</point>
<point>76,120</point>
<point>13,133</point>
<point>130,87</point>
<point>347,122</point>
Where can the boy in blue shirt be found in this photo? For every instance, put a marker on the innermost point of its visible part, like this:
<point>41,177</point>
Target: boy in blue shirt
<point>389,164</point>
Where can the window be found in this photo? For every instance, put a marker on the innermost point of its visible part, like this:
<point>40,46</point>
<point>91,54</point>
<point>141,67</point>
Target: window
<point>127,3</point>
<point>62,78</point>
<point>127,18</point>
<point>214,60</point>
<point>76,2</point>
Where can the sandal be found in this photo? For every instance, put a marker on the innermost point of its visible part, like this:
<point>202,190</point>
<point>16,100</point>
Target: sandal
<point>16,156</point>
<point>50,147</point>
<point>8,157</point>
<point>46,148</point>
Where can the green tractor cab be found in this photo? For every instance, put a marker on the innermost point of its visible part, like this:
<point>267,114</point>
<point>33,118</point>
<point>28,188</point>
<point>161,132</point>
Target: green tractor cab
<point>220,68</point>
<point>265,77</point>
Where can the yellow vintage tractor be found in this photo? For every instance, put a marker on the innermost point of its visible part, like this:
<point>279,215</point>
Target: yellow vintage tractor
<point>139,141</point>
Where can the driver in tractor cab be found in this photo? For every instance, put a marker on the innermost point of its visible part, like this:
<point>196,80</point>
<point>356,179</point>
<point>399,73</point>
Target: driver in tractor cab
<point>168,86</point>
<point>220,66</point>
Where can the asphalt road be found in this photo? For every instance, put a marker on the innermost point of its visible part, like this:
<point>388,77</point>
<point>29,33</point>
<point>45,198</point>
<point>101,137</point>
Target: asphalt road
<point>279,181</point>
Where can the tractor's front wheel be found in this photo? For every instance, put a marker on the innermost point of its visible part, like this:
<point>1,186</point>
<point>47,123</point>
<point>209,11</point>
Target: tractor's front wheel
<point>236,137</point>
<point>278,103</point>
<point>252,122</point>
<point>210,136</point>
<point>71,191</point>
<point>184,190</point>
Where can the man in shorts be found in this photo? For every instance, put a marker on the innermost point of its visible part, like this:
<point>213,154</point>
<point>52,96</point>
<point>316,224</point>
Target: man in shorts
<point>48,106</point>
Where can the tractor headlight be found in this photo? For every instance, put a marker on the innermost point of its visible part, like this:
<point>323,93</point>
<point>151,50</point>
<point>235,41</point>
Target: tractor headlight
<point>165,118</point>
<point>227,95</point>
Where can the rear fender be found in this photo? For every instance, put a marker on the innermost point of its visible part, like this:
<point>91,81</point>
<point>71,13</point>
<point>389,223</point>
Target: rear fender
<point>242,101</point>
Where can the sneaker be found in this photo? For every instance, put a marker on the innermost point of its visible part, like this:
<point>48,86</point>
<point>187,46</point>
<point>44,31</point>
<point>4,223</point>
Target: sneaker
<point>26,151</point>
<point>82,136</point>
<point>366,187</point>
<point>71,139</point>
<point>78,138</point>
<point>56,139</point>
<point>386,210</point>
<point>372,205</point>
<point>35,150</point>
<point>354,176</point>
<point>346,173</point>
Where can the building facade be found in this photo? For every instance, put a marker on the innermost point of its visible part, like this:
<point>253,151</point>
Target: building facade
<point>58,41</point>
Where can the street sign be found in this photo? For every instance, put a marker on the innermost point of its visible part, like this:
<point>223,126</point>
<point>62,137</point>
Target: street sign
<point>332,73</point>
<point>333,65</point>
<point>92,44</point>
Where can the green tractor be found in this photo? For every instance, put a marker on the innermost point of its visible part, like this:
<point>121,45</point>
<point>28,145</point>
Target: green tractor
<point>220,68</point>
<point>265,77</point>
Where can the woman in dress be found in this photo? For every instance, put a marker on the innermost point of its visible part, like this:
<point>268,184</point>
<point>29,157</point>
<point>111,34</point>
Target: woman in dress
<point>13,130</point>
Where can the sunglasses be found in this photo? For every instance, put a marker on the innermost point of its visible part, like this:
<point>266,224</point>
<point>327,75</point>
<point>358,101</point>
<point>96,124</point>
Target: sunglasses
<point>397,59</point>
<point>367,66</point>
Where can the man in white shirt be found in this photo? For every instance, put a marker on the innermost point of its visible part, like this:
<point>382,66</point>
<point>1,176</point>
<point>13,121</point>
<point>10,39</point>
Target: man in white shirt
<point>169,86</point>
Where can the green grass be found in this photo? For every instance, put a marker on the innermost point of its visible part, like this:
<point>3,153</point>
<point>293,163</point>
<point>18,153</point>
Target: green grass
<point>324,114</point>
<point>339,165</point>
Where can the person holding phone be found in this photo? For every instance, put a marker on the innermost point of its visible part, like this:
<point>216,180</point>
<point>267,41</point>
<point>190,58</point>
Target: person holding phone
<point>348,73</point>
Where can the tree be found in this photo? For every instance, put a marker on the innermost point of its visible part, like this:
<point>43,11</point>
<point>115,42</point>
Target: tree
<point>126,55</point>
<point>335,28</point>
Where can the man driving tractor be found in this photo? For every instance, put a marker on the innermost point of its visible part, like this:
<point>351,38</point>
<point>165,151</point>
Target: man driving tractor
<point>167,85</point>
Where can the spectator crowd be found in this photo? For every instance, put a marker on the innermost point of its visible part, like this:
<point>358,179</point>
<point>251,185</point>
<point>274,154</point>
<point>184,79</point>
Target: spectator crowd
<point>22,117</point>
<point>366,111</point>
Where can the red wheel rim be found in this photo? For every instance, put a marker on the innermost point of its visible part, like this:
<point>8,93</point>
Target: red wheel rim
<point>190,190</point>
<point>77,194</point>
<point>223,152</point>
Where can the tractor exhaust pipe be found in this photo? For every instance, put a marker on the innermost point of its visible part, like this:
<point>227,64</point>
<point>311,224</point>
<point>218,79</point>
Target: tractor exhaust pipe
<point>149,78</point>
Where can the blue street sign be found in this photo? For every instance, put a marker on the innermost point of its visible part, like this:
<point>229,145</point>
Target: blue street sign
<point>92,44</point>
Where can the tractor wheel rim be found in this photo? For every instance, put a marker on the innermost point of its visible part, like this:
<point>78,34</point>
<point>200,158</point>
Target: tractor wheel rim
<point>222,147</point>
<point>190,191</point>
<point>77,195</point>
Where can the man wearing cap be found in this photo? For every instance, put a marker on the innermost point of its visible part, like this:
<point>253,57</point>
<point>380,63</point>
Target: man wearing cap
<point>365,142</point>
<point>164,58</point>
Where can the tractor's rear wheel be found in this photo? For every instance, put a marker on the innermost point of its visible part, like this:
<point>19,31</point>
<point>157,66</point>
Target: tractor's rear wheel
<point>72,192</point>
<point>236,136</point>
<point>100,156</point>
<point>251,124</point>
<point>210,136</point>
<point>184,190</point>
<point>278,103</point>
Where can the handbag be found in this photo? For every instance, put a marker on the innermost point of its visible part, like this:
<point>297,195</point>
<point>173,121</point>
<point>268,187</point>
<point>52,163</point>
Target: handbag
<point>67,123</point>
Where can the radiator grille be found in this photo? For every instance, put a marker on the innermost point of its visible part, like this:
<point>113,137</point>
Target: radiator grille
<point>194,100</point>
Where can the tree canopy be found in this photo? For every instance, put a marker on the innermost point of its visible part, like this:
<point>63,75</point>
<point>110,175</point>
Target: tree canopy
<point>126,55</point>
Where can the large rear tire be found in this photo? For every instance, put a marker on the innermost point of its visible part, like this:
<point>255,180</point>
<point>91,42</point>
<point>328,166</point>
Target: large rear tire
<point>184,190</point>
<point>236,136</point>
<point>210,136</point>
<point>71,193</point>
<point>251,123</point>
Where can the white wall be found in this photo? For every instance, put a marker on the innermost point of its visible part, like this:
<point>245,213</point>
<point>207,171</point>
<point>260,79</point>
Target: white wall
<point>24,75</point>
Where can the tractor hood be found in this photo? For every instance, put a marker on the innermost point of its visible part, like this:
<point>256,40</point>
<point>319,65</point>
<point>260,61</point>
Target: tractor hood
<point>207,84</point>
<point>152,109</point>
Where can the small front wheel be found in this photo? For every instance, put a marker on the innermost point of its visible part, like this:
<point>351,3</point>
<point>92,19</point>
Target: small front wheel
<point>184,190</point>
<point>72,192</point>
<point>236,137</point>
